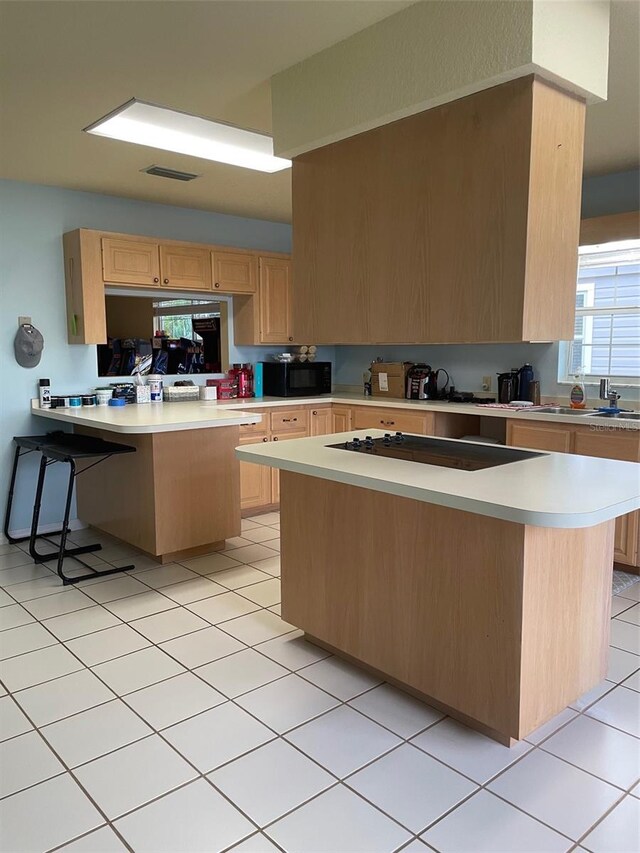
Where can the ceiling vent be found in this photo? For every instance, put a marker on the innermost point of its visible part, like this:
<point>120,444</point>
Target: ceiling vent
<point>162,172</point>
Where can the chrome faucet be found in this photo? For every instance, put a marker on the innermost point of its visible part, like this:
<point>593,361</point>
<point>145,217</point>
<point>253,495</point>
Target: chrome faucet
<point>607,393</point>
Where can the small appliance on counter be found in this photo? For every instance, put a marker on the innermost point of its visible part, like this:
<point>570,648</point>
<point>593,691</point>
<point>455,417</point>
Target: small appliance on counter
<point>296,378</point>
<point>518,384</point>
<point>422,383</point>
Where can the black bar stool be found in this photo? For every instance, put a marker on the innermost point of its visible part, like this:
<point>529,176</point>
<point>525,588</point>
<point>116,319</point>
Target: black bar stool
<point>69,448</point>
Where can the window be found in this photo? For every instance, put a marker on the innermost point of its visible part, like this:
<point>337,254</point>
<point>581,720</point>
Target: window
<point>174,316</point>
<point>606,338</point>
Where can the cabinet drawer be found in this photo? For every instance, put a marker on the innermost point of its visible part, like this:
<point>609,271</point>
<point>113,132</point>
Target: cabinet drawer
<point>290,420</point>
<point>255,429</point>
<point>539,437</point>
<point>394,420</point>
<point>608,444</point>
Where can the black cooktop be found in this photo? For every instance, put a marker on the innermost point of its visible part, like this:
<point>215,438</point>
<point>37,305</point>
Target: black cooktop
<point>425,450</point>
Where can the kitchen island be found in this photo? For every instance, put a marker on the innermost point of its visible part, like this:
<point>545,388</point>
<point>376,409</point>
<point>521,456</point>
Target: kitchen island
<point>178,495</point>
<point>484,592</point>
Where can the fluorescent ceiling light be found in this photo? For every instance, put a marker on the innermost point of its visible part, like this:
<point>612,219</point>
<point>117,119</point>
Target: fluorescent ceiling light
<point>160,127</point>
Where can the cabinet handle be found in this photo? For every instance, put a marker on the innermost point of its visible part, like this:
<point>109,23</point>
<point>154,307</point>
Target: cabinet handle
<point>156,280</point>
<point>388,423</point>
<point>265,438</point>
<point>290,420</point>
<point>216,284</point>
<point>290,339</point>
<point>166,281</point>
<point>275,437</point>
<point>314,413</point>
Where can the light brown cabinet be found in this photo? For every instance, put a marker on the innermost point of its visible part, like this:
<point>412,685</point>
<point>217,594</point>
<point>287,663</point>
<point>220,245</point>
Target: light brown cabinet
<point>341,417</point>
<point>276,323</point>
<point>84,288</point>
<point>539,437</point>
<point>393,420</point>
<point>131,262</point>
<point>623,445</point>
<point>255,480</point>
<point>267,317</point>
<point>456,225</point>
<point>185,267</point>
<point>321,421</point>
<point>234,272</point>
<point>260,281</point>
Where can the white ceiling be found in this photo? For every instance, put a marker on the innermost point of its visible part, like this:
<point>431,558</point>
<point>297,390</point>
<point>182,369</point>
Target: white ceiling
<point>65,64</point>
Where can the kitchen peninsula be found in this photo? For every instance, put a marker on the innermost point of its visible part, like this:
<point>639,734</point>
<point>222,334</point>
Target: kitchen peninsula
<point>485,592</point>
<point>178,496</point>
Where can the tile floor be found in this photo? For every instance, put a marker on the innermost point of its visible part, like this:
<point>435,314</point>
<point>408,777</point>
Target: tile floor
<point>172,709</point>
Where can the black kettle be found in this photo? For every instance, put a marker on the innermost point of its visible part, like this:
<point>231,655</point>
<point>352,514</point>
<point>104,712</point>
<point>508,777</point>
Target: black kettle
<point>435,393</point>
<point>507,386</point>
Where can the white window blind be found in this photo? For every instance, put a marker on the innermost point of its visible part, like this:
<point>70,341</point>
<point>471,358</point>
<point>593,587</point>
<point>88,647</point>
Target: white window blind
<point>607,329</point>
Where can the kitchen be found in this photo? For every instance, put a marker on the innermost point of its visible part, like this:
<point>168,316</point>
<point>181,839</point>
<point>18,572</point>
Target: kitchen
<point>262,663</point>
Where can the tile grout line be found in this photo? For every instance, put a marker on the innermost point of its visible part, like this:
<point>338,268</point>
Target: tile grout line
<point>340,703</point>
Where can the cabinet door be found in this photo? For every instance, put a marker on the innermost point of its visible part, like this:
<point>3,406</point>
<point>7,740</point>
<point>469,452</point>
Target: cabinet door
<point>394,420</point>
<point>255,480</point>
<point>130,262</point>
<point>185,268</point>
<point>341,417</point>
<point>234,272</point>
<point>321,421</point>
<point>625,548</point>
<point>275,301</point>
<point>539,437</point>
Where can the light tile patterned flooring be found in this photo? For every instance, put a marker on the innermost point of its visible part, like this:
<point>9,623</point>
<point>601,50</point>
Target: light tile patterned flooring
<point>171,709</point>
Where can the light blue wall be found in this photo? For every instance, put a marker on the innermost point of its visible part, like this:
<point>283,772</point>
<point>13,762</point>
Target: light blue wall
<point>32,222</point>
<point>601,196</point>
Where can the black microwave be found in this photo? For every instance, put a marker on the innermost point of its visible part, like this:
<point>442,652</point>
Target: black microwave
<point>296,378</point>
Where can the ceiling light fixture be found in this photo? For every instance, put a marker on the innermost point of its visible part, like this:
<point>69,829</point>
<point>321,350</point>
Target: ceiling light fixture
<point>171,130</point>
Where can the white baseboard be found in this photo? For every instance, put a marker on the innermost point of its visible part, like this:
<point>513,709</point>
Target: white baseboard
<point>74,524</point>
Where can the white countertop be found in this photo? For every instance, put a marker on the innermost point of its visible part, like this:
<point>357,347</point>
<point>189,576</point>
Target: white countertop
<point>553,490</point>
<point>149,417</point>
<point>168,417</point>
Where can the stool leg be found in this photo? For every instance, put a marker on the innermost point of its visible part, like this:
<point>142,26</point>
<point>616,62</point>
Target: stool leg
<point>36,510</point>
<point>65,522</point>
<point>7,516</point>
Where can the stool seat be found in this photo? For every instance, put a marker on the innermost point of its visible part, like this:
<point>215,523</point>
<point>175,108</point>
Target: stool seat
<point>67,448</point>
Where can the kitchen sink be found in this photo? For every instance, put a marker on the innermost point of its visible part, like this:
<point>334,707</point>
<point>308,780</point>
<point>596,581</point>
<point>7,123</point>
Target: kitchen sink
<point>627,416</point>
<point>562,410</point>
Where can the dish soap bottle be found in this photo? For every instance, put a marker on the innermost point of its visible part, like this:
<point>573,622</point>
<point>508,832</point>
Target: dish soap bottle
<point>578,395</point>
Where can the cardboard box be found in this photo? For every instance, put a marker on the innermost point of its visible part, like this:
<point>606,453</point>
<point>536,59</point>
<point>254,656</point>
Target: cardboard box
<point>389,378</point>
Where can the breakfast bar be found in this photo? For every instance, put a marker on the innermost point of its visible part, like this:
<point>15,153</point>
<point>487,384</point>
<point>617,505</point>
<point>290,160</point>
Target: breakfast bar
<point>178,495</point>
<point>483,589</point>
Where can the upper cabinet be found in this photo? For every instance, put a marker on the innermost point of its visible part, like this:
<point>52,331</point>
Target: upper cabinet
<point>456,225</point>
<point>260,282</point>
<point>275,301</point>
<point>267,319</point>
<point>132,262</point>
<point>234,272</point>
<point>185,267</point>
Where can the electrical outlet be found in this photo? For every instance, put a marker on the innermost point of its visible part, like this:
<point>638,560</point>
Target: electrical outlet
<point>486,383</point>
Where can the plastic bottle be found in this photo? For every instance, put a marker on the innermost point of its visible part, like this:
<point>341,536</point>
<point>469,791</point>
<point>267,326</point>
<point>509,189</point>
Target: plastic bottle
<point>44,393</point>
<point>578,394</point>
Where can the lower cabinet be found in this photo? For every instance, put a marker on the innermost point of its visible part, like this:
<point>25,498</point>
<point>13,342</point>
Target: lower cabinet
<point>613,444</point>
<point>341,419</point>
<point>539,437</point>
<point>321,421</point>
<point>255,480</point>
<point>394,420</point>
